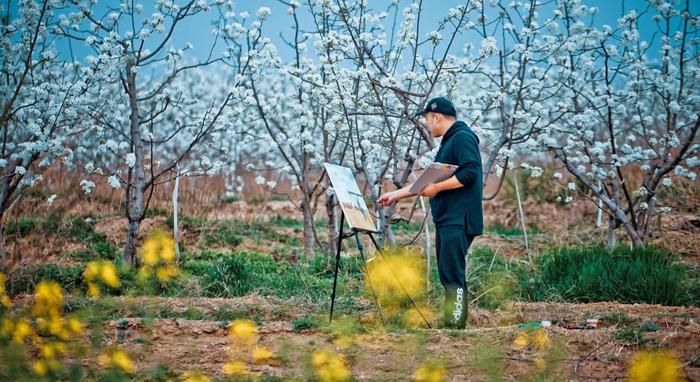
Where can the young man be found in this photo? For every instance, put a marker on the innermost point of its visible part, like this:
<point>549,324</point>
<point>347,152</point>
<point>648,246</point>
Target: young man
<point>455,204</point>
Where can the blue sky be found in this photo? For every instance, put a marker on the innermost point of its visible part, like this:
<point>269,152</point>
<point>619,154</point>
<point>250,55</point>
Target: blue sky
<point>196,30</point>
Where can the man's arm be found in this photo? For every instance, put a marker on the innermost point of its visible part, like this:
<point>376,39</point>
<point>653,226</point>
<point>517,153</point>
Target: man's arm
<point>466,151</point>
<point>393,196</point>
<point>448,184</point>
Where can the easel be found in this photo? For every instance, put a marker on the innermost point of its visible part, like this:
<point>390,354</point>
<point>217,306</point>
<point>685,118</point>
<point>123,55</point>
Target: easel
<point>355,232</point>
<point>338,243</point>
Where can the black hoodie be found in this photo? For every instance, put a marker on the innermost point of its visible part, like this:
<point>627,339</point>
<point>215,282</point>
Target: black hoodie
<point>461,206</point>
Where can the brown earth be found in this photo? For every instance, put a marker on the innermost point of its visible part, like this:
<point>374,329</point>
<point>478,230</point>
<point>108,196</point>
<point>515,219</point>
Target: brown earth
<point>380,355</point>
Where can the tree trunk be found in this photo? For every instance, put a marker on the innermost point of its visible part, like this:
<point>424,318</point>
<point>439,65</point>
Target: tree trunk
<point>2,239</point>
<point>131,240</point>
<point>612,238</point>
<point>135,202</point>
<point>309,239</point>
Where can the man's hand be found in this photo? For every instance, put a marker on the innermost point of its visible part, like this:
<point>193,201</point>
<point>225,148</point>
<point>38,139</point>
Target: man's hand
<point>388,198</point>
<point>430,191</point>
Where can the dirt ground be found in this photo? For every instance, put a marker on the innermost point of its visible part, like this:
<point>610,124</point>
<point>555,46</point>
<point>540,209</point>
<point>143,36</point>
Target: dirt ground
<point>379,354</point>
<point>593,354</point>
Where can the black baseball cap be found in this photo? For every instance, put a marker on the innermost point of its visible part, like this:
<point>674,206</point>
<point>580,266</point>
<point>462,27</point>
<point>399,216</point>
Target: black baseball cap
<point>440,105</point>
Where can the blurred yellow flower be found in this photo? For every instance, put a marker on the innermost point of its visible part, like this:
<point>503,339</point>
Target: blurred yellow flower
<point>537,339</point>
<point>158,255</point>
<point>329,366</point>
<point>4,298</point>
<point>262,355</point>
<point>654,366</point>
<point>43,366</point>
<point>108,274</point>
<point>394,274</point>
<point>235,368</point>
<point>74,326</point>
<point>159,246</point>
<point>414,318</point>
<point>521,341</point>
<point>430,372</point>
<point>6,326</point>
<point>190,376</point>
<point>540,363</point>
<point>52,349</point>
<point>540,339</point>
<point>117,359</point>
<point>166,273</point>
<point>244,331</point>
<point>20,330</point>
<point>93,290</point>
<point>48,299</point>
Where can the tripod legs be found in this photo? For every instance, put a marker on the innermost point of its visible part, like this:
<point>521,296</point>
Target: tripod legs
<point>337,264</point>
<point>366,270</point>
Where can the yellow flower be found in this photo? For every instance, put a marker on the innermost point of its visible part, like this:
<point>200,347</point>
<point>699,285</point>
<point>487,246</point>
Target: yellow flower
<point>414,318</point>
<point>92,270</point>
<point>195,377</point>
<point>262,355</point>
<point>166,273</point>
<point>40,368</point>
<point>93,290</point>
<point>20,330</point>
<point>102,271</point>
<point>430,373</point>
<point>158,246</point>
<point>244,331</point>
<point>540,338</point>
<point>44,366</point>
<point>108,274</point>
<point>52,349</point>
<point>656,366</point>
<point>6,326</point>
<point>395,274</point>
<point>57,327</point>
<point>235,368</point>
<point>540,363</point>
<point>329,366</point>
<point>48,299</point>
<point>117,359</point>
<point>74,326</point>
<point>159,257</point>
<point>4,298</point>
<point>521,341</point>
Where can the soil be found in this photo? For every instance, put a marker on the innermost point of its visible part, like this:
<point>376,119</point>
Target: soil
<point>593,354</point>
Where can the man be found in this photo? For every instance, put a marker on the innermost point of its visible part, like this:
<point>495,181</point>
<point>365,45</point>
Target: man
<point>455,204</point>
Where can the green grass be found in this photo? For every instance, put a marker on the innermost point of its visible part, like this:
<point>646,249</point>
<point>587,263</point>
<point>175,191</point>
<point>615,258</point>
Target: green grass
<point>637,275</point>
<point>25,279</point>
<point>22,227</point>
<point>511,231</point>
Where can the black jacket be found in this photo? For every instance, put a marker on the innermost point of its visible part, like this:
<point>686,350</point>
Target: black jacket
<point>461,206</point>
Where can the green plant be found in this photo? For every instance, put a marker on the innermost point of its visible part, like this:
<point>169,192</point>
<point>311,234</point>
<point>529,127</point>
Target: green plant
<point>630,335</point>
<point>224,235</point>
<point>226,276</point>
<point>25,279</point>
<point>624,274</point>
<point>23,227</point>
<point>305,323</point>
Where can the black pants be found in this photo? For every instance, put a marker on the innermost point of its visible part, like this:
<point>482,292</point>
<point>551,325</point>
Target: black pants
<point>452,245</point>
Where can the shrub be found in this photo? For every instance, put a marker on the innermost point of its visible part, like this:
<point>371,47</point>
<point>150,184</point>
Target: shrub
<point>24,280</point>
<point>22,227</point>
<point>628,275</point>
<point>225,276</point>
